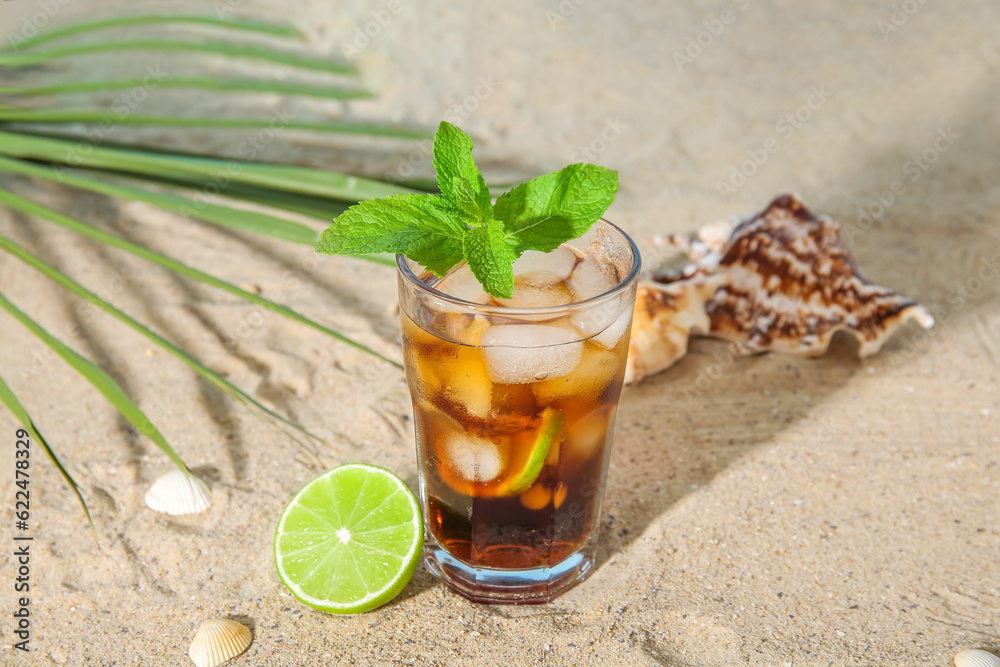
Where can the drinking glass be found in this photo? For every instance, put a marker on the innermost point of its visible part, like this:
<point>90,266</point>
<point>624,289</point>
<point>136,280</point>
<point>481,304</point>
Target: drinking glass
<point>514,409</point>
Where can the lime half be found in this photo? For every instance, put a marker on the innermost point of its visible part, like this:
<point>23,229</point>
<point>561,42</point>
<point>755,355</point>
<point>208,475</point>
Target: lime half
<point>349,540</point>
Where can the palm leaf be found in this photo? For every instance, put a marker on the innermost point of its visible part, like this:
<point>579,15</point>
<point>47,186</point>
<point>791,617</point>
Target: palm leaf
<point>65,281</point>
<point>11,114</point>
<point>101,381</point>
<point>302,180</point>
<point>246,221</point>
<point>35,209</point>
<point>229,49</point>
<point>10,400</point>
<point>161,19</point>
<point>214,84</point>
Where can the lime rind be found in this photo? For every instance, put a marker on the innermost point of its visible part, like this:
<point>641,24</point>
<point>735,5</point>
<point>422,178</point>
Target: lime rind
<point>380,528</point>
<point>548,432</point>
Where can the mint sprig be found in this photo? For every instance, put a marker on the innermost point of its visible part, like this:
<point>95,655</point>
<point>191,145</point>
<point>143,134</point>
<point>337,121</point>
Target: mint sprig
<point>439,231</point>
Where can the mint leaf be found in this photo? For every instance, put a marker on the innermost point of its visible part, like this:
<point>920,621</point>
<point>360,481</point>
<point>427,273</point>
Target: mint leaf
<point>408,224</point>
<point>557,207</point>
<point>453,159</point>
<point>466,204</point>
<point>490,258</point>
<point>439,231</point>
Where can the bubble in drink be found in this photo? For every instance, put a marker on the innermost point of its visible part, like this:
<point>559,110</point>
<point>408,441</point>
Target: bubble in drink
<point>476,459</point>
<point>518,353</point>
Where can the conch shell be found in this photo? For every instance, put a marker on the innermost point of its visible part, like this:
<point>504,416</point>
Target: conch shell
<point>782,281</point>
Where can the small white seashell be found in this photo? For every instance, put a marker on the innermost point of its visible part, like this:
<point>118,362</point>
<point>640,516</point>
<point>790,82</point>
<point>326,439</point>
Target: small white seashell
<point>178,493</point>
<point>218,640</point>
<point>975,657</point>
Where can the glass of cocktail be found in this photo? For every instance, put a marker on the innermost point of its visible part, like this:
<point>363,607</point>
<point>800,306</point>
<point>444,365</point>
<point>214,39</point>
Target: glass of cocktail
<point>514,407</point>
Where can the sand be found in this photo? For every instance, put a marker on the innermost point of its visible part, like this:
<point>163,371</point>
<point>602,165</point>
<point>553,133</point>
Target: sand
<point>760,510</point>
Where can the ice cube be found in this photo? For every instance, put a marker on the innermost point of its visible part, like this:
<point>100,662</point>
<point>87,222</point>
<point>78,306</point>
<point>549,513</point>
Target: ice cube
<point>596,318</point>
<point>465,382</point>
<point>531,294</point>
<point>589,435</point>
<point>592,277</point>
<point>465,328</point>
<point>456,374</point>
<point>524,353</point>
<point>609,337</point>
<point>462,284</point>
<point>476,459</point>
<point>595,372</point>
<point>549,267</point>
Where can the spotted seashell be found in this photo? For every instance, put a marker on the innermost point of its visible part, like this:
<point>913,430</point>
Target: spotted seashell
<point>178,492</point>
<point>786,284</point>
<point>975,657</point>
<point>219,640</point>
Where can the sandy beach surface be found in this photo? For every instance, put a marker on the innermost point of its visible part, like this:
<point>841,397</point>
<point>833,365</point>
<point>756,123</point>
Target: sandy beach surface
<point>764,510</point>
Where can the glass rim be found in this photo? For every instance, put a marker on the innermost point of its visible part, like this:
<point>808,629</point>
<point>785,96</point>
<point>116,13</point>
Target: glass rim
<point>632,275</point>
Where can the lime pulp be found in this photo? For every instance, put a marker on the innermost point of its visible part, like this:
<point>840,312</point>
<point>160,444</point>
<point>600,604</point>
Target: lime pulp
<point>349,541</point>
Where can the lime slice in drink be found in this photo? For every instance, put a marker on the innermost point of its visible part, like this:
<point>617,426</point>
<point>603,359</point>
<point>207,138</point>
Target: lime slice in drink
<point>349,540</point>
<point>522,479</point>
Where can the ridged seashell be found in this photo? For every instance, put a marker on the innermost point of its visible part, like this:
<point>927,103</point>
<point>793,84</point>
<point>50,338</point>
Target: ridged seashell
<point>975,657</point>
<point>178,493</point>
<point>788,284</point>
<point>218,640</point>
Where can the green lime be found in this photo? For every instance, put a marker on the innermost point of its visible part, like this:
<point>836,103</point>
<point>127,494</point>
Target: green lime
<point>548,432</point>
<point>349,540</point>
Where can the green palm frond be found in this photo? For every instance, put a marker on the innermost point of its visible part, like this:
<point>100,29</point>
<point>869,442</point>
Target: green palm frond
<point>218,85</point>
<point>228,49</point>
<point>287,178</point>
<point>222,383</point>
<point>236,24</point>
<point>12,115</point>
<point>247,221</point>
<point>8,398</point>
<point>103,382</point>
<point>173,181</point>
<point>32,208</point>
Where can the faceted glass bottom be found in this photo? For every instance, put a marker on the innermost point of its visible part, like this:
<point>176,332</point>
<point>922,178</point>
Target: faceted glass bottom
<point>495,586</point>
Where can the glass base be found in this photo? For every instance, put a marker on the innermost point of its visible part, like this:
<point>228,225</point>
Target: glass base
<point>493,586</point>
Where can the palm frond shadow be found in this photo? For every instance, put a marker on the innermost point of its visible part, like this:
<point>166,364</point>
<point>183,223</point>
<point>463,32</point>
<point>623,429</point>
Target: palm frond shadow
<point>40,131</point>
<point>87,339</point>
